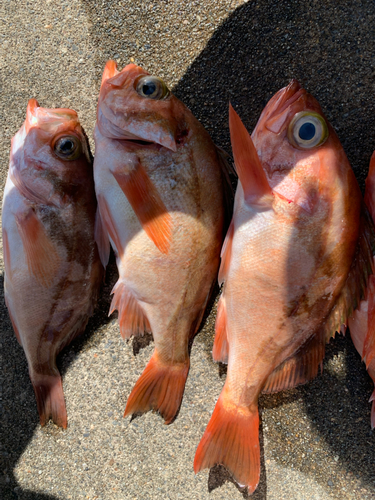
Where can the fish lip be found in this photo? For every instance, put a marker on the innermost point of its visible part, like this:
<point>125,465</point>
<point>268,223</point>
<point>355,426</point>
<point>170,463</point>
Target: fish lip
<point>288,96</point>
<point>278,110</point>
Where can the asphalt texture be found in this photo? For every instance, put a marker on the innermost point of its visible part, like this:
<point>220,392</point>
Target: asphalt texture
<point>316,441</point>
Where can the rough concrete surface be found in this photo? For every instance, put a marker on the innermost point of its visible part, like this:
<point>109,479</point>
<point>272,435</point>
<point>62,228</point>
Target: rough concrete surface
<point>316,440</point>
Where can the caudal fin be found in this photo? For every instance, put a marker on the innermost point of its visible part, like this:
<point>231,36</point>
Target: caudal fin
<point>159,388</point>
<point>50,399</point>
<point>232,439</point>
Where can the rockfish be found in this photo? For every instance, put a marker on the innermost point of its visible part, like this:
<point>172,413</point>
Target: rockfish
<point>285,264</point>
<point>159,184</point>
<point>362,322</point>
<point>52,265</point>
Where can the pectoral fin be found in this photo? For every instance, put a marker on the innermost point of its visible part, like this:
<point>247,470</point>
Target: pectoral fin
<point>249,168</point>
<point>147,204</point>
<point>41,255</point>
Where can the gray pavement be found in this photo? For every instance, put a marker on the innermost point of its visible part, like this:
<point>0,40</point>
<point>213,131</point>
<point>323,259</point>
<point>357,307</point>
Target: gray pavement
<point>316,440</point>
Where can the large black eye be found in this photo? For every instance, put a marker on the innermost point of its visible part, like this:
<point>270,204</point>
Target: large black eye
<point>307,130</point>
<point>152,87</point>
<point>68,147</point>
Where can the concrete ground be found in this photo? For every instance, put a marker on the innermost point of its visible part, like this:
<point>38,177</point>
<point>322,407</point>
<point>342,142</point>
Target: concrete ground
<point>316,440</point>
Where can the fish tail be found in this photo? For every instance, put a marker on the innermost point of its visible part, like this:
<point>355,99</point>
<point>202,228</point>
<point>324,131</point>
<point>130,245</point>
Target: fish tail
<point>232,439</point>
<point>160,388</point>
<point>50,399</point>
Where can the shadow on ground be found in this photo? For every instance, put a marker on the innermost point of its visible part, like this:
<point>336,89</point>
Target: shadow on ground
<point>330,48</point>
<point>18,411</point>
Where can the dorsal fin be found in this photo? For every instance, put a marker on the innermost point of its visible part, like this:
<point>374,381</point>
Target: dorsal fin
<point>249,168</point>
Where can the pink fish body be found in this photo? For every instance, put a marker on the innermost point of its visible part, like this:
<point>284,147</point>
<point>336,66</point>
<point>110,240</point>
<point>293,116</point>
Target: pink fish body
<point>362,321</point>
<point>285,262</point>
<point>160,192</point>
<point>52,266</point>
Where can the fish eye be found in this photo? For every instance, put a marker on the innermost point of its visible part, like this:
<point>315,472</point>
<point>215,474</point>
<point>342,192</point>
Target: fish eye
<point>307,130</point>
<point>68,147</point>
<point>151,87</point>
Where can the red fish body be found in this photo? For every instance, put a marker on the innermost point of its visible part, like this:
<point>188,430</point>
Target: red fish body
<point>52,266</point>
<point>362,322</point>
<point>285,262</point>
<point>160,192</point>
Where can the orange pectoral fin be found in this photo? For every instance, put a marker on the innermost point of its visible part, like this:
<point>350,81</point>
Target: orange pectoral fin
<point>41,255</point>
<point>232,439</point>
<point>147,205</point>
<point>249,168</point>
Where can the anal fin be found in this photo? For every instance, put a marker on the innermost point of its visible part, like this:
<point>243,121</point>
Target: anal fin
<point>147,205</point>
<point>132,318</point>
<point>232,439</point>
<point>160,388</point>
<point>300,368</point>
<point>220,349</point>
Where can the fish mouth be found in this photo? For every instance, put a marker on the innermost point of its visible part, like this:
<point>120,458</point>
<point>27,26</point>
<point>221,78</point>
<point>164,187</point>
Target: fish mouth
<point>279,107</point>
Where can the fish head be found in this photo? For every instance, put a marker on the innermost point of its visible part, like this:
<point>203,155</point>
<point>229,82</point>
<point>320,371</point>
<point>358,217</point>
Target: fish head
<point>134,105</point>
<point>299,150</point>
<point>50,153</point>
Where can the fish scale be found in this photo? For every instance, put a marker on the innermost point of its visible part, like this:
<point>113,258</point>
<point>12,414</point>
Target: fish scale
<point>160,186</point>
<point>287,262</point>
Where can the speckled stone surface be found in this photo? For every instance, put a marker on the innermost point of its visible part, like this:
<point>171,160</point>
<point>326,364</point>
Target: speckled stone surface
<point>316,440</point>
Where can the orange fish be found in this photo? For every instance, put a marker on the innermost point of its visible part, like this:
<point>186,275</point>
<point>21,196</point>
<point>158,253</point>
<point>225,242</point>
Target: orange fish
<point>159,184</point>
<point>52,265</point>
<point>285,264</point>
<point>362,322</point>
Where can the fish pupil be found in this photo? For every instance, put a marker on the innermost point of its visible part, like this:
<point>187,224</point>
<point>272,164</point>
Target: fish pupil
<point>67,146</point>
<point>149,88</point>
<point>307,131</point>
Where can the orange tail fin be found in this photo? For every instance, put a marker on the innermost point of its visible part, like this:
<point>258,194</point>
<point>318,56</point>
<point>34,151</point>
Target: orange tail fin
<point>232,439</point>
<point>159,388</point>
<point>50,399</point>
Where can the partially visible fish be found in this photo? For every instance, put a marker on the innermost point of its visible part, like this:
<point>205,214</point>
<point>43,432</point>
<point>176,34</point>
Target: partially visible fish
<point>52,265</point>
<point>362,321</point>
<point>160,192</point>
<point>285,264</point>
